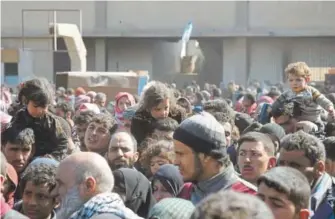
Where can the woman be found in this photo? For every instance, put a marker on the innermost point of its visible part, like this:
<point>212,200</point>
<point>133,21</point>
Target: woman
<point>167,182</point>
<point>156,102</point>
<point>123,100</point>
<point>135,190</point>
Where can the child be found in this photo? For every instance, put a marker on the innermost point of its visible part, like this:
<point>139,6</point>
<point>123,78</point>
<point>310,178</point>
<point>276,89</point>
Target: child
<point>308,98</point>
<point>36,185</point>
<point>49,135</point>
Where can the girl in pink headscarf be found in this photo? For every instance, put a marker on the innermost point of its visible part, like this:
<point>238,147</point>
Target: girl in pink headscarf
<point>123,100</point>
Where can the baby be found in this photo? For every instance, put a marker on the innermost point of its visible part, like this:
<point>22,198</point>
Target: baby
<point>309,99</point>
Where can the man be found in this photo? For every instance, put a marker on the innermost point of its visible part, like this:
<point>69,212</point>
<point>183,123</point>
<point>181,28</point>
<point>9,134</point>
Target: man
<point>100,99</point>
<point>5,210</point>
<point>65,111</point>
<point>84,185</point>
<point>202,158</point>
<point>36,185</point>
<point>81,122</point>
<point>286,192</point>
<point>18,146</point>
<point>330,155</point>
<point>306,153</point>
<point>232,205</point>
<point>256,155</point>
<point>122,151</point>
<point>98,133</point>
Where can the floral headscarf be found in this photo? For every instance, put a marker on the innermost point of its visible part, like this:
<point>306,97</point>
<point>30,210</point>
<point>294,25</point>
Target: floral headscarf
<point>118,112</point>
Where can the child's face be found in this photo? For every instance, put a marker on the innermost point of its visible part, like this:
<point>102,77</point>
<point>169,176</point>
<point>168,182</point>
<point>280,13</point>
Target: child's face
<point>296,82</point>
<point>36,111</point>
<point>156,162</point>
<point>36,200</point>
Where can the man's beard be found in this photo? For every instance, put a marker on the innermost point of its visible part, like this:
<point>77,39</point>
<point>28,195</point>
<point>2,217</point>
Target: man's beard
<point>70,204</point>
<point>125,164</point>
<point>198,169</point>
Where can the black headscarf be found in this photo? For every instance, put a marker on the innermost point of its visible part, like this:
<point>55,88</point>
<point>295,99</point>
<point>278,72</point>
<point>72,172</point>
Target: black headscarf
<point>170,178</point>
<point>135,189</point>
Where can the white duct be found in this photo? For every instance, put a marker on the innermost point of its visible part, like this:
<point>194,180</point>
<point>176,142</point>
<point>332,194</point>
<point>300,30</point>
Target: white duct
<point>74,44</point>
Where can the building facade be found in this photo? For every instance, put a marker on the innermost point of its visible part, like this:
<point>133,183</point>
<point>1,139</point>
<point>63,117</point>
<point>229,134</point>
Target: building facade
<point>240,41</point>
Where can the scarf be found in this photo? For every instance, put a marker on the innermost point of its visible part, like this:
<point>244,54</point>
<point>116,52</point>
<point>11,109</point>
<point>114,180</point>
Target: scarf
<point>104,203</point>
<point>118,112</point>
<point>220,181</point>
<point>138,193</point>
<point>169,176</point>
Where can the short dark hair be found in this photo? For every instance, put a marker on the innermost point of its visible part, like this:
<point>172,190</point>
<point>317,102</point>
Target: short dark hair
<point>289,181</point>
<point>107,120</point>
<point>312,146</point>
<point>39,174</point>
<point>65,107</point>
<point>250,97</point>
<point>330,127</point>
<point>84,117</point>
<point>230,204</point>
<point>21,137</point>
<point>38,90</point>
<point>329,144</point>
<point>166,125</point>
<point>269,146</point>
<point>220,109</point>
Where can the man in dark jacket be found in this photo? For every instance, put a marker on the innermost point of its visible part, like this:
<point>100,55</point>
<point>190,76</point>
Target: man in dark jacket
<point>202,158</point>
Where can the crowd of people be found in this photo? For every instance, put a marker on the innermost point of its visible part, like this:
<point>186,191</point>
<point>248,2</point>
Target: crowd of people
<point>216,153</point>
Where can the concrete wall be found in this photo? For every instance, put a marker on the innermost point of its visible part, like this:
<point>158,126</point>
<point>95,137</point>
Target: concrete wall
<point>249,40</point>
<point>167,18</point>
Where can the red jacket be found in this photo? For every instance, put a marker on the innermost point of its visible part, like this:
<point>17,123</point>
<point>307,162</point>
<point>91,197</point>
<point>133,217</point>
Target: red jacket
<point>238,186</point>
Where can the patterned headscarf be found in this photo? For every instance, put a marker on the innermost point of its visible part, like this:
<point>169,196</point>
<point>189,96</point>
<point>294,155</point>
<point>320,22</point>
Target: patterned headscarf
<point>118,112</point>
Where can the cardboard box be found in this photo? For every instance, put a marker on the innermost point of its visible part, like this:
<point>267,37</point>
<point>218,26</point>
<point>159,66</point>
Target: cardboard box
<point>109,83</point>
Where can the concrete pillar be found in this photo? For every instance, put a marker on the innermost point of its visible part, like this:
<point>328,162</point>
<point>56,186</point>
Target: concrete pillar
<point>100,54</point>
<point>165,60</point>
<point>235,60</point>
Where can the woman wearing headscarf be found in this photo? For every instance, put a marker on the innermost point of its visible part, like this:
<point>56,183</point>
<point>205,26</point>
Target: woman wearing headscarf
<point>167,182</point>
<point>123,101</point>
<point>135,190</point>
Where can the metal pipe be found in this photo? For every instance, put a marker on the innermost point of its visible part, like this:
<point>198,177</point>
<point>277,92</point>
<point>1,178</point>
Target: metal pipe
<point>55,29</point>
<point>22,29</point>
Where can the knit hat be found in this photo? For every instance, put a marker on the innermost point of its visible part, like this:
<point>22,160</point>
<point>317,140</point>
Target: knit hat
<point>273,129</point>
<point>203,134</point>
<point>172,208</point>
